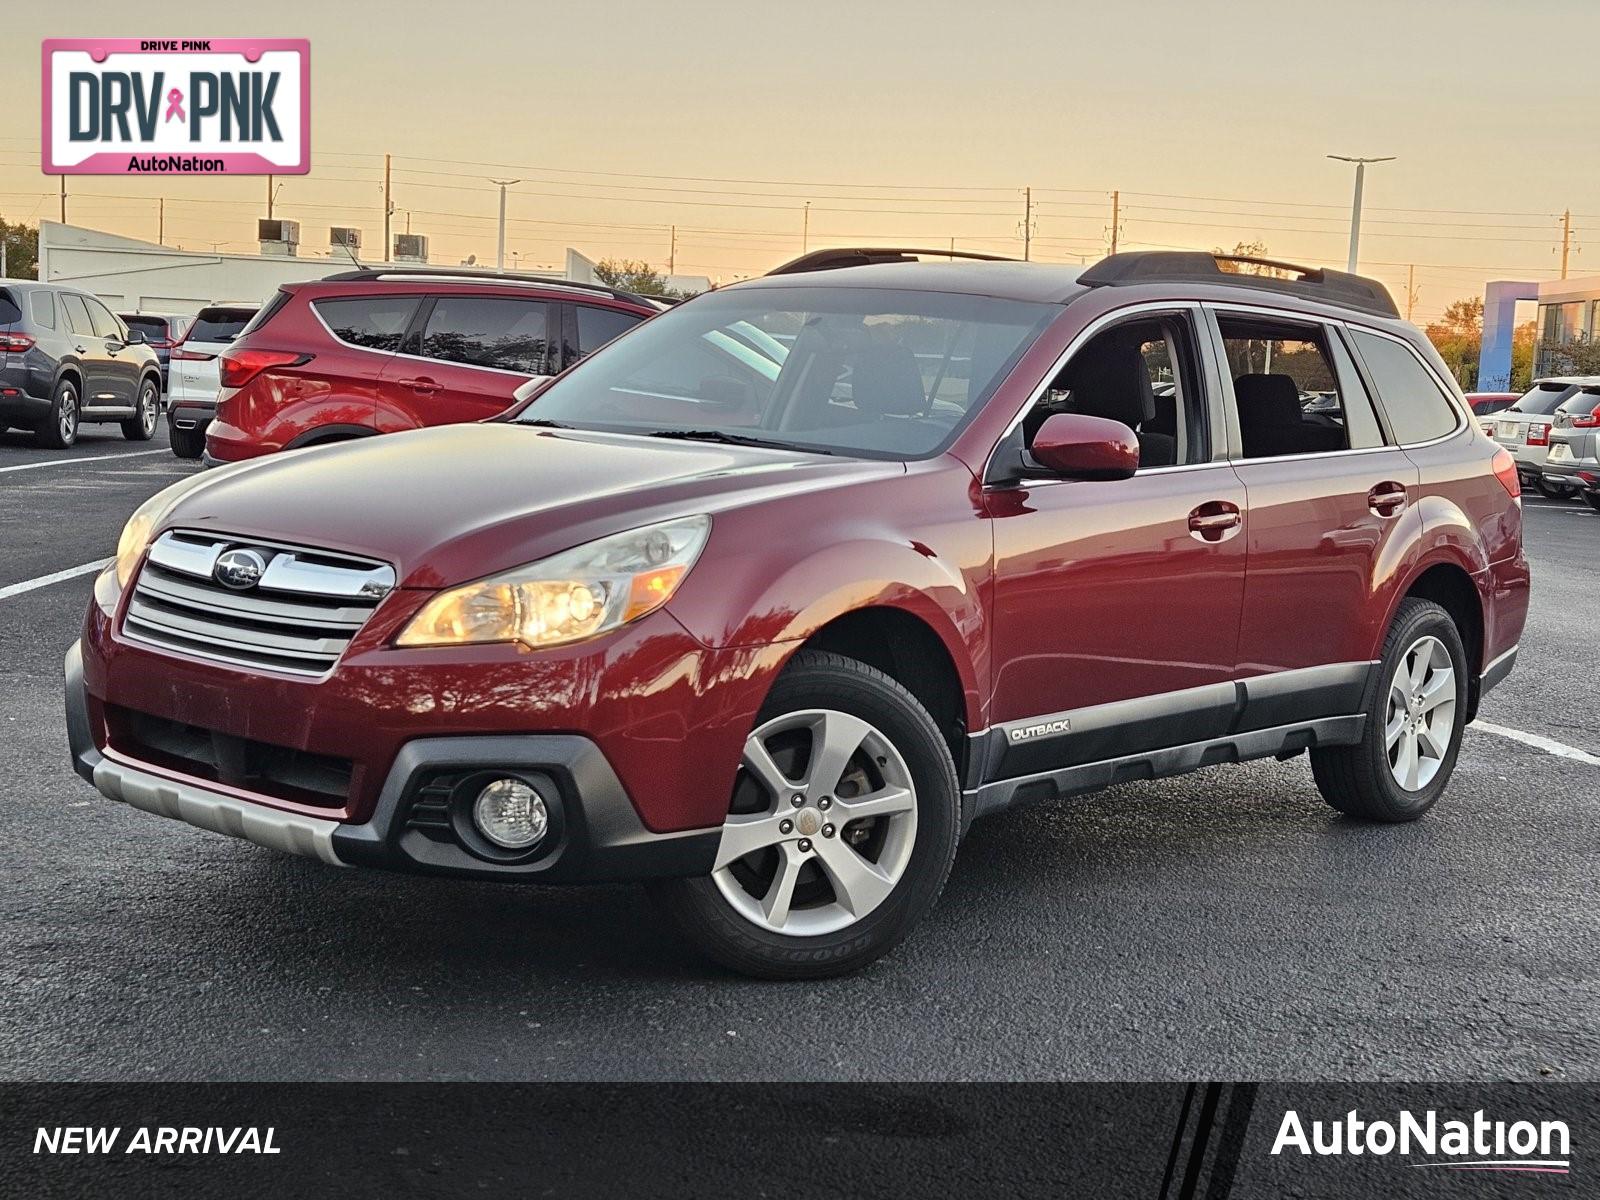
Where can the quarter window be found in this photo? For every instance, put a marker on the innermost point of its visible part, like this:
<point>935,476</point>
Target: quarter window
<point>488,331</point>
<point>1416,405</point>
<point>372,322</point>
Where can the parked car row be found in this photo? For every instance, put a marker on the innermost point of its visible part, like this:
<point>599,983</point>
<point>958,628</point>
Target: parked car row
<point>1541,418</point>
<point>766,602</point>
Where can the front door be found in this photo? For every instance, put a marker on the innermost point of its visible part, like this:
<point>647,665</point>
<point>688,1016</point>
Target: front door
<point>464,359</point>
<point>1116,604</point>
<point>100,380</point>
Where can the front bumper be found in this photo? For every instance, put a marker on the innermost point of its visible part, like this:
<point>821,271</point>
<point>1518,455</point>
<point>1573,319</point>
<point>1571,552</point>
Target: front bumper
<point>596,833</point>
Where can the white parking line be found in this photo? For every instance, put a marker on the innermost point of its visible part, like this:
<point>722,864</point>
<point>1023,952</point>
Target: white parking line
<point>28,585</point>
<point>72,462</point>
<point>1548,745</point>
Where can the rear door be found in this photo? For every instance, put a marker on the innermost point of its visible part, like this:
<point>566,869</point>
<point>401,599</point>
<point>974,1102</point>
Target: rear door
<point>463,359</point>
<point>370,329</point>
<point>1332,502</point>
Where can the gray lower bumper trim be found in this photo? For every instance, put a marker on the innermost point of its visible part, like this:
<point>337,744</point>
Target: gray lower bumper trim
<point>270,827</point>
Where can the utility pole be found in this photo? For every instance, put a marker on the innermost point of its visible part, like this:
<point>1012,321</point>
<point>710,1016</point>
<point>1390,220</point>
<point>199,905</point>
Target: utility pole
<point>63,199</point>
<point>1116,220</point>
<point>1355,207</point>
<point>805,228</point>
<point>269,197</point>
<point>672,253</point>
<point>1411,289</point>
<point>1566,240</point>
<point>161,221</point>
<point>500,251</point>
<point>1027,224</point>
<point>388,210</point>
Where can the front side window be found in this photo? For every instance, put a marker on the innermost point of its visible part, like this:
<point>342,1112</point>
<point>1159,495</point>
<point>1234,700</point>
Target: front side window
<point>77,314</point>
<point>105,325</point>
<point>597,326</point>
<point>371,322</point>
<point>868,372</point>
<point>1144,373</point>
<point>1416,405</point>
<point>488,331</point>
<point>1288,390</point>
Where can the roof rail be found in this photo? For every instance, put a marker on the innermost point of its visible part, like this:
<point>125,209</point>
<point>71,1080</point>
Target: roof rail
<point>863,256</point>
<point>1196,266</point>
<point>483,274</point>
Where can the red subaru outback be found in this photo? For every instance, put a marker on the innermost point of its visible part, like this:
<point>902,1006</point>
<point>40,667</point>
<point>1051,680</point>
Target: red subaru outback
<point>768,601</point>
<point>381,350</point>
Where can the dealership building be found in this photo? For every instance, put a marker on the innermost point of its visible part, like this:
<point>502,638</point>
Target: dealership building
<point>1568,312</point>
<point>131,275</point>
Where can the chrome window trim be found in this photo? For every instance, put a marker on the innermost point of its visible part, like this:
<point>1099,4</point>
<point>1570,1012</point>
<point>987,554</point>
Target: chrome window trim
<point>523,375</point>
<point>1072,347</point>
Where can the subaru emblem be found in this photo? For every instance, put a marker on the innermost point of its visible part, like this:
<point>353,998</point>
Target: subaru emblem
<point>239,569</point>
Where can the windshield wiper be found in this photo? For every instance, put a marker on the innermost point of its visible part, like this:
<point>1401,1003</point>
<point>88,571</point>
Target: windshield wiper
<point>729,439</point>
<point>543,423</point>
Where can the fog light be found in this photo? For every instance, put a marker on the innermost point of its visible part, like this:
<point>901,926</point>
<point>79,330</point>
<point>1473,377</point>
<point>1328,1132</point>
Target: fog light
<point>510,814</point>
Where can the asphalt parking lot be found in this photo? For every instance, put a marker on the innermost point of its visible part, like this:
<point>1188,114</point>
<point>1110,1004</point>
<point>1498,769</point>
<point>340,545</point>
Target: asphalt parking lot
<point>1226,925</point>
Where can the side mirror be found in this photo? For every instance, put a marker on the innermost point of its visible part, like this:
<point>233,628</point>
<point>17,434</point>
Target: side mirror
<point>135,338</point>
<point>1075,446</point>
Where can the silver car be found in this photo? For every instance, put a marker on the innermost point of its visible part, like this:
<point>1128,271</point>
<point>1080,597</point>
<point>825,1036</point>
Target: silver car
<point>1524,428</point>
<point>1573,462</point>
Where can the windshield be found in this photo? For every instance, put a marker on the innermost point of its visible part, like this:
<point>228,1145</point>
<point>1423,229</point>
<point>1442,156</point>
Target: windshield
<point>858,371</point>
<point>1542,399</point>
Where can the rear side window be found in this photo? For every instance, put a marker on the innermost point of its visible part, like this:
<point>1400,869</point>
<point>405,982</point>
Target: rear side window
<point>1293,390</point>
<point>77,314</point>
<point>597,326</point>
<point>488,331</point>
<point>372,322</point>
<point>1416,405</point>
<point>220,324</point>
<point>9,312</point>
<point>43,305</point>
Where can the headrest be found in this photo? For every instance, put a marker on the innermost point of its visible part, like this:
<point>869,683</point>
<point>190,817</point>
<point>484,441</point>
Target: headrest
<point>886,381</point>
<point>1112,381</point>
<point>1268,399</point>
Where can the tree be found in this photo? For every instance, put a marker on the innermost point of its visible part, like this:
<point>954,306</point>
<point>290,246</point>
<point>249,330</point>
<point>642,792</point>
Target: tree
<point>22,249</point>
<point>1458,337</point>
<point>635,275</point>
<point>1255,249</point>
<point>1523,339</point>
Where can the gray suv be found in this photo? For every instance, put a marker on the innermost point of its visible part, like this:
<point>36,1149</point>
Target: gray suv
<point>66,359</point>
<point>1573,463</point>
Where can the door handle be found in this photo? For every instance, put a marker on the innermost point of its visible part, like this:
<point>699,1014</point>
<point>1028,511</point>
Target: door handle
<point>1214,521</point>
<point>1387,499</point>
<point>422,385</point>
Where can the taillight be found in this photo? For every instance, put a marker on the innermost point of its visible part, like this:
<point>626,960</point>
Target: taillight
<point>182,355</point>
<point>15,343</point>
<point>1592,421</point>
<point>238,367</point>
<point>1505,470</point>
<point>1538,435</point>
<point>158,343</point>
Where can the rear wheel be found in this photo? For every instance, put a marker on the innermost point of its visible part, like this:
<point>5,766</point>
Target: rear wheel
<point>1414,720</point>
<point>60,427</point>
<point>141,427</point>
<point>840,832</point>
<point>187,443</point>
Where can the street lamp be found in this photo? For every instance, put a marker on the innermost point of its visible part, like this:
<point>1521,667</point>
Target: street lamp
<point>500,252</point>
<point>1355,208</point>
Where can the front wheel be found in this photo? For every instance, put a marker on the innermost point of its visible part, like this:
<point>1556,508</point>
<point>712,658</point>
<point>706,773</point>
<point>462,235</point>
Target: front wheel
<point>141,427</point>
<point>1414,721</point>
<point>840,833</point>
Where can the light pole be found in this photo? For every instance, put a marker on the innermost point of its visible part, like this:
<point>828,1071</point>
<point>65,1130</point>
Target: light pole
<point>500,252</point>
<point>1355,207</point>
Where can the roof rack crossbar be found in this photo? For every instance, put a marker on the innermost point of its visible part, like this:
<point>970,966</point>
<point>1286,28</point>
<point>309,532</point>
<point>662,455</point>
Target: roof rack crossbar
<point>1195,266</point>
<point>366,274</point>
<point>862,256</point>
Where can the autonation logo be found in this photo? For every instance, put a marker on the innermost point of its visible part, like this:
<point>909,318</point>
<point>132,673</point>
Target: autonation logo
<point>1478,1144</point>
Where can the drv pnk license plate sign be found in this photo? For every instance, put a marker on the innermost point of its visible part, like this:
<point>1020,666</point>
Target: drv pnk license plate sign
<point>217,106</point>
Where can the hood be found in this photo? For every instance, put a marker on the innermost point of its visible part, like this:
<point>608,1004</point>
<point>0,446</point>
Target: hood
<point>458,502</point>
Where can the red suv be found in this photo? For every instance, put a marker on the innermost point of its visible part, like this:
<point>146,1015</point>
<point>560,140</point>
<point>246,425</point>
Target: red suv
<point>381,350</point>
<point>766,602</point>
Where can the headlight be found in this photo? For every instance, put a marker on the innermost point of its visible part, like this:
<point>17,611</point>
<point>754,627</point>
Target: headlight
<point>576,594</point>
<point>136,533</point>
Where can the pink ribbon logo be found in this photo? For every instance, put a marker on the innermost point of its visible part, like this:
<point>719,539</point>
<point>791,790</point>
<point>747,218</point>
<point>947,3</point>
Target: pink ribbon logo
<point>175,105</point>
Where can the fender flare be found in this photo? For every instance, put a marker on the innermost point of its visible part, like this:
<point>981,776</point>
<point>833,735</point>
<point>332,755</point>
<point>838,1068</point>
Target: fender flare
<point>330,433</point>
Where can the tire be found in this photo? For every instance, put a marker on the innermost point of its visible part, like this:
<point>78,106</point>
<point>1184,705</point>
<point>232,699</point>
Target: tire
<point>60,428</point>
<point>1552,491</point>
<point>187,443</point>
<point>142,426</point>
<point>1365,780</point>
<point>907,846</point>
<point>1592,499</point>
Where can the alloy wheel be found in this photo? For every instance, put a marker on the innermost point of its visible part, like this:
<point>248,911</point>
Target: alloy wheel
<point>67,419</point>
<point>1421,714</point>
<point>822,826</point>
<point>148,413</point>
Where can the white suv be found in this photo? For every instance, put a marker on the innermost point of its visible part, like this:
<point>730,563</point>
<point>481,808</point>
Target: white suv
<point>192,379</point>
<point>1524,428</point>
